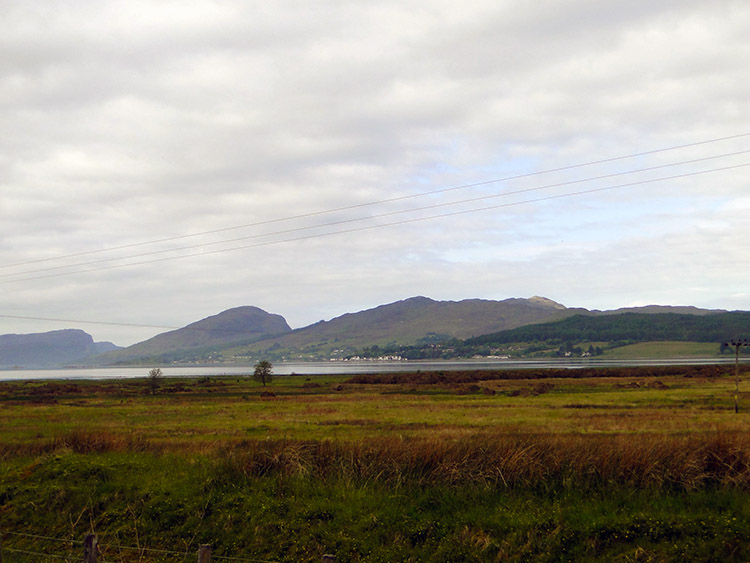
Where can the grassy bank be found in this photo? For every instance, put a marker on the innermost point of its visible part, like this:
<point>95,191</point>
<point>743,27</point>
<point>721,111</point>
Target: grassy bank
<point>635,466</point>
<point>294,502</point>
<point>664,350</point>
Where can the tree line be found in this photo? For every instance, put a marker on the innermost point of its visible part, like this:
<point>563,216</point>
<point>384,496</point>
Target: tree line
<point>560,337</point>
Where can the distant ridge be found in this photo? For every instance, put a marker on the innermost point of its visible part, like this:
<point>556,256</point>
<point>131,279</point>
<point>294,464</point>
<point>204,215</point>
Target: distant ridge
<point>245,334</point>
<point>413,321</point>
<point>627,326</point>
<point>421,320</point>
<point>409,321</point>
<point>49,349</point>
<point>547,302</point>
<point>230,327</point>
<point>660,309</point>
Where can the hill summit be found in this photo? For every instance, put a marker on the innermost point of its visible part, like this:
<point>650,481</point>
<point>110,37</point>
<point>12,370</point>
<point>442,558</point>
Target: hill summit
<point>241,325</point>
<point>49,349</point>
<point>410,321</point>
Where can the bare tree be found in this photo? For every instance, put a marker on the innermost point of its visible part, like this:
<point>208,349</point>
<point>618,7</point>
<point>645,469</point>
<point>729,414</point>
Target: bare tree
<point>154,377</point>
<point>263,372</point>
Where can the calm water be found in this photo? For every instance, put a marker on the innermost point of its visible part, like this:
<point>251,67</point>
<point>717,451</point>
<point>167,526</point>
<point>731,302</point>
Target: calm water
<point>346,368</point>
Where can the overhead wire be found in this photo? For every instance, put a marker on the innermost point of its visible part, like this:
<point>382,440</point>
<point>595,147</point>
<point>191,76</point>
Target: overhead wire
<point>362,228</point>
<point>412,220</point>
<point>79,321</point>
<point>381,225</point>
<point>381,202</point>
<point>128,325</point>
<point>372,217</point>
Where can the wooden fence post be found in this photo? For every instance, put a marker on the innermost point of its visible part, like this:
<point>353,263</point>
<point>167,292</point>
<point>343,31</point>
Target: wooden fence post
<point>204,554</point>
<point>90,546</point>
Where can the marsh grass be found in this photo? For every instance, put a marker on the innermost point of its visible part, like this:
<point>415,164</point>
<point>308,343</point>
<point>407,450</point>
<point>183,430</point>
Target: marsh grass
<point>295,501</point>
<point>187,414</point>
<point>648,466</point>
<point>540,462</point>
<point>546,461</point>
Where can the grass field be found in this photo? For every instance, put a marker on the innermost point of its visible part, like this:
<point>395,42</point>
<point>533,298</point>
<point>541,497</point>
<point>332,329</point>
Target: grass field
<point>628,465</point>
<point>666,350</point>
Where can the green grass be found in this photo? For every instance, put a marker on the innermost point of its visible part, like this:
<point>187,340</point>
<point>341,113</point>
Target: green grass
<point>190,414</point>
<point>664,350</point>
<point>633,468</point>
<point>175,503</point>
<point>358,413</point>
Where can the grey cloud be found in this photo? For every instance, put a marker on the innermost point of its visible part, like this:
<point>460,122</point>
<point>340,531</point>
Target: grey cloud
<point>130,122</point>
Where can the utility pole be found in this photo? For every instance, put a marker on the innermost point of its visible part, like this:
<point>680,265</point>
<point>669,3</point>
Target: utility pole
<point>737,342</point>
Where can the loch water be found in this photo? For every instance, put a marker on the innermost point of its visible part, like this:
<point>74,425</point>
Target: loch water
<point>345,368</point>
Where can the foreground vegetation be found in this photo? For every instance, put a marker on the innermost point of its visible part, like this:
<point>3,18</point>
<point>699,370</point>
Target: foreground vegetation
<point>628,465</point>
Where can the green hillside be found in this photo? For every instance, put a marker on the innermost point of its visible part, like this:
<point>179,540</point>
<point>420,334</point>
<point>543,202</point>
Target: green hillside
<point>422,328</point>
<point>669,335</point>
<point>203,340</point>
<point>634,327</point>
<point>409,322</point>
<point>664,349</point>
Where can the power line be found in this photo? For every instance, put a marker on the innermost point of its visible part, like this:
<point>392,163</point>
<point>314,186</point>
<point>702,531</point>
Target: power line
<point>129,325</point>
<point>377,216</point>
<point>382,225</point>
<point>383,201</point>
<point>78,321</point>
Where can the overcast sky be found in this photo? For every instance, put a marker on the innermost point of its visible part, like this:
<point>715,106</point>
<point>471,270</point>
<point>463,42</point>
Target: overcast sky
<point>248,133</point>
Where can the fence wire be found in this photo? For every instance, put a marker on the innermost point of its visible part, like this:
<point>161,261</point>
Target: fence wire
<point>104,547</point>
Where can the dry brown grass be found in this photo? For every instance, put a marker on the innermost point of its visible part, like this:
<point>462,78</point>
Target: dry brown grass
<point>470,376</point>
<point>688,462</point>
<point>675,431</point>
<point>536,460</point>
<point>513,460</point>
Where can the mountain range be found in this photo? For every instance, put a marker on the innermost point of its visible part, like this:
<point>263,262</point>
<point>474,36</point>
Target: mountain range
<point>200,340</point>
<point>49,349</point>
<point>246,334</point>
<point>411,321</point>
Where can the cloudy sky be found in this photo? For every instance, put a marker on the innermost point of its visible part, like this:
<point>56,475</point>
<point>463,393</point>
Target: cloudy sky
<point>163,161</point>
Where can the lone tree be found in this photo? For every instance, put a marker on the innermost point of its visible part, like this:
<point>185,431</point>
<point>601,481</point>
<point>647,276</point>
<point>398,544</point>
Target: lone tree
<point>154,376</point>
<point>263,372</point>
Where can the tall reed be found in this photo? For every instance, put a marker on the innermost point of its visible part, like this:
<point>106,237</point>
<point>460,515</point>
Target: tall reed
<point>689,462</point>
<point>535,461</point>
